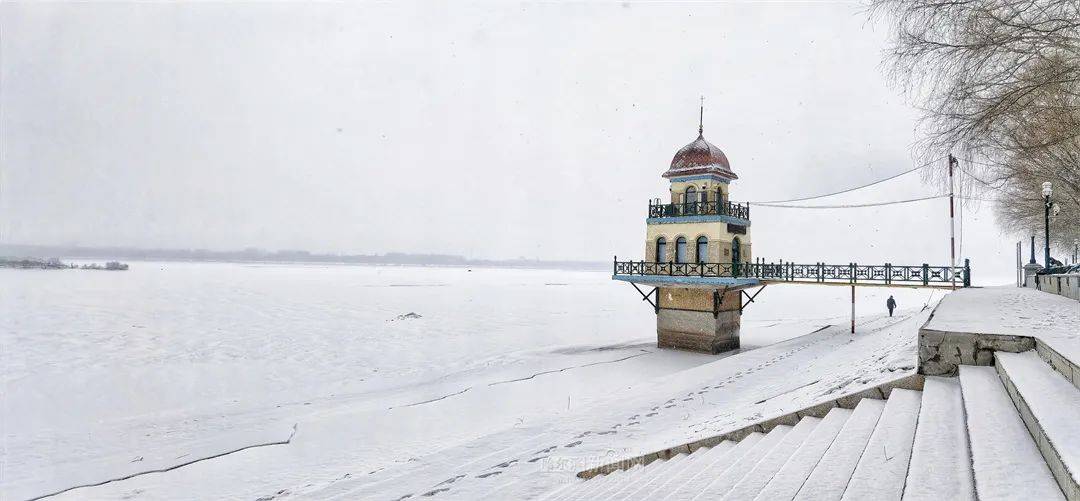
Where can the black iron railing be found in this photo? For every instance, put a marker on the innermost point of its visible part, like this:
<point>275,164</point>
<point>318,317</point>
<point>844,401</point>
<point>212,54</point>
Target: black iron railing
<point>713,208</point>
<point>818,272</point>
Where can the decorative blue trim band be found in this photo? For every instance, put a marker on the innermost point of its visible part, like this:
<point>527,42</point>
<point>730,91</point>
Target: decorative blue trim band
<point>698,219</point>
<point>695,281</point>
<point>714,177</point>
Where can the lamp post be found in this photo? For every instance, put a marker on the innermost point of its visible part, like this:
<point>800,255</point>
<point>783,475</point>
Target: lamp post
<point>1047,190</point>
<point>1076,247</point>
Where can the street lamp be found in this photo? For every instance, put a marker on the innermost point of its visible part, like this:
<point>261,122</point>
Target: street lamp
<point>1047,190</point>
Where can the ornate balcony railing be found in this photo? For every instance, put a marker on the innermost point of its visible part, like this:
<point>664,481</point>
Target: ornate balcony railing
<point>712,208</point>
<point>806,273</point>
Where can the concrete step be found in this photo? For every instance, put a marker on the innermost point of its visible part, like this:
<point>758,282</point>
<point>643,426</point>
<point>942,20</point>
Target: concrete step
<point>653,470</point>
<point>787,482</point>
<point>883,466</point>
<point>764,470</point>
<point>582,490</point>
<point>1049,406</point>
<point>830,477</point>
<point>702,472</point>
<point>1068,368</point>
<point>1005,460</point>
<point>723,482</point>
<point>627,476</point>
<point>940,465</point>
<point>662,485</point>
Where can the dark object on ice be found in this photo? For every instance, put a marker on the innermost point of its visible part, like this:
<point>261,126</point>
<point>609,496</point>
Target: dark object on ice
<point>409,315</point>
<point>891,305</point>
<point>110,266</point>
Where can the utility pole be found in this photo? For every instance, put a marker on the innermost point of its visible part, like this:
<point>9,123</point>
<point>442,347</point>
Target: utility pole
<point>853,309</point>
<point>952,225</point>
<point>1019,268</point>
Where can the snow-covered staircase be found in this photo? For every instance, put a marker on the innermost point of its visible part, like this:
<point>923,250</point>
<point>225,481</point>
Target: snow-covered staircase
<point>1002,432</point>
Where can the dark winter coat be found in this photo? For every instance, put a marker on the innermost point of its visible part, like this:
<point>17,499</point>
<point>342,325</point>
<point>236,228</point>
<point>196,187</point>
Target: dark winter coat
<point>890,304</point>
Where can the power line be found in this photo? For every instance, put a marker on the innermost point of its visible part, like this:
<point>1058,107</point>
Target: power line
<point>848,206</point>
<point>847,190</point>
<point>973,176</point>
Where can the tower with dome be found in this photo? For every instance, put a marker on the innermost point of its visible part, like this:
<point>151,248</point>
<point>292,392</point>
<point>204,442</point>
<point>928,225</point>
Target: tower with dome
<point>696,242</point>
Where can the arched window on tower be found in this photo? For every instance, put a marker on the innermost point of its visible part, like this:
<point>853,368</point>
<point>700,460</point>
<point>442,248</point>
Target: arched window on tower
<point>680,250</point>
<point>702,249</point>
<point>661,250</point>
<point>691,195</point>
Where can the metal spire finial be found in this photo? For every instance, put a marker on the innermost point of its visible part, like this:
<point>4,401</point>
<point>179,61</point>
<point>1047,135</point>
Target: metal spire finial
<point>701,117</point>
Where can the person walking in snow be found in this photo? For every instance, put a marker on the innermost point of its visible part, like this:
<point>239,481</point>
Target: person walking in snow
<point>891,305</point>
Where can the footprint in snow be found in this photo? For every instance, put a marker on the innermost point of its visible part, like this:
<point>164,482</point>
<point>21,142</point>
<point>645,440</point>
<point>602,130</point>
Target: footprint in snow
<point>486,475</point>
<point>573,444</point>
<point>651,414</point>
<point>434,492</point>
<point>452,480</point>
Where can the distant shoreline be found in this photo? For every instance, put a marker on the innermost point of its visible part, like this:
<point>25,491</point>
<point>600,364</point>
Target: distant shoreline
<point>255,256</point>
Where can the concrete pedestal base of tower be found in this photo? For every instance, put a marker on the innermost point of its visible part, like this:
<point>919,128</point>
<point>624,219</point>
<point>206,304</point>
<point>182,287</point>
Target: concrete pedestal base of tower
<point>704,320</point>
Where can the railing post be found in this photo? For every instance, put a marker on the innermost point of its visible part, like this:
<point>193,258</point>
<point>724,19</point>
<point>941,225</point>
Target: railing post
<point>967,272</point>
<point>925,274</point>
<point>888,273</point>
<point>669,266</point>
<point>615,266</point>
<point>851,271</point>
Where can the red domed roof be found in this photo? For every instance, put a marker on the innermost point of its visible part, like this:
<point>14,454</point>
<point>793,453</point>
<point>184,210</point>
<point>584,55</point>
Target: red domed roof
<point>700,157</point>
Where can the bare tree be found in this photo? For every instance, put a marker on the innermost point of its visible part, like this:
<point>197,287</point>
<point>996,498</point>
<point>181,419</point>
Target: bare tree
<point>998,82</point>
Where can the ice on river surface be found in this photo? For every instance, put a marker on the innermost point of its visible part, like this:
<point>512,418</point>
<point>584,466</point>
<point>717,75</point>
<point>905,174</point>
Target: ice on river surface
<point>112,374</point>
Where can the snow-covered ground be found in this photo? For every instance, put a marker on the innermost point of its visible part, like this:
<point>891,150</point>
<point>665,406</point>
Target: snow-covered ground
<point>109,375</point>
<point>1013,311</point>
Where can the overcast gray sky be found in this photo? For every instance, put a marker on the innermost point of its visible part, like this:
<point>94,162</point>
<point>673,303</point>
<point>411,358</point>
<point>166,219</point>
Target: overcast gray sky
<point>489,129</point>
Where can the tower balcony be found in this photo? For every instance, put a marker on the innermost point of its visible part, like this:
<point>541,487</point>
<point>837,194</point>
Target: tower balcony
<point>735,210</point>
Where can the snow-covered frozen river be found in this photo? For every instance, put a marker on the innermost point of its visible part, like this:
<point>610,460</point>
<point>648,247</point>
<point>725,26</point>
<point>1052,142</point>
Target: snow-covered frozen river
<point>109,374</point>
